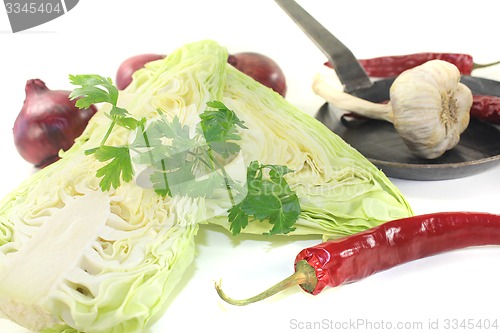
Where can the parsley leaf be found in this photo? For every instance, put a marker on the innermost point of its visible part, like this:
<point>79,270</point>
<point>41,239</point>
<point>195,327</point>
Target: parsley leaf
<point>220,126</point>
<point>190,164</point>
<point>94,89</point>
<point>238,218</point>
<point>97,89</point>
<point>173,165</point>
<point>119,166</point>
<point>269,199</point>
<point>155,150</point>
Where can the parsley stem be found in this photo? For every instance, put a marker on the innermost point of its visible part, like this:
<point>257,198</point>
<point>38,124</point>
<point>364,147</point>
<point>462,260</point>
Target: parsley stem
<point>108,133</point>
<point>146,141</point>
<point>164,173</point>
<point>199,158</point>
<point>226,177</point>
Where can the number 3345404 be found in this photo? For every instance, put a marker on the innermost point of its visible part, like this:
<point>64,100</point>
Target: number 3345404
<point>33,7</point>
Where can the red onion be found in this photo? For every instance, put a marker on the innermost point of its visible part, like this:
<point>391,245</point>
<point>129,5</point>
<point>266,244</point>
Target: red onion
<point>48,122</point>
<point>130,65</point>
<point>261,68</point>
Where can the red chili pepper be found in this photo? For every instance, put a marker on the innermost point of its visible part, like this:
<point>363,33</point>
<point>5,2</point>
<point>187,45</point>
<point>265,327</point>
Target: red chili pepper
<point>486,108</point>
<point>355,257</point>
<point>394,65</point>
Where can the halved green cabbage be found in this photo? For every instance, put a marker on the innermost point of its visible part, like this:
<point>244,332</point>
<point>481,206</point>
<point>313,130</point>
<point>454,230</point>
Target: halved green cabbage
<point>76,259</point>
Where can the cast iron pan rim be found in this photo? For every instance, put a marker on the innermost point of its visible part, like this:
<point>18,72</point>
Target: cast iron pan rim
<point>435,166</point>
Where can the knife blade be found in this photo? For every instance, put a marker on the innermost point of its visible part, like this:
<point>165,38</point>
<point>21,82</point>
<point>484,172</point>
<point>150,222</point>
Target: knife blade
<point>350,72</point>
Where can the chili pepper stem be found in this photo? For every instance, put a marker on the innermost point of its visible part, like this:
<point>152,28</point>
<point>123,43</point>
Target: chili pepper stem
<point>476,66</point>
<point>305,276</point>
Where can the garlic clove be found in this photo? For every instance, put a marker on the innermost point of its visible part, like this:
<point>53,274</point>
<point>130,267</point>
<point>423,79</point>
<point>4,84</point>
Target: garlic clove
<point>431,108</point>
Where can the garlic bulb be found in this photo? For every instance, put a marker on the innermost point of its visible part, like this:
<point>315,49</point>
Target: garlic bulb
<point>428,106</point>
<point>431,107</point>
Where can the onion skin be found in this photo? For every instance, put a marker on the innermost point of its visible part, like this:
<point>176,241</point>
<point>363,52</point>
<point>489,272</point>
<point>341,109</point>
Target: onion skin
<point>48,123</point>
<point>261,68</point>
<point>132,64</point>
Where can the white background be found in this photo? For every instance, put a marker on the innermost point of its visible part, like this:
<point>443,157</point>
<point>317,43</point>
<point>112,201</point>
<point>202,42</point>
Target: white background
<point>97,35</point>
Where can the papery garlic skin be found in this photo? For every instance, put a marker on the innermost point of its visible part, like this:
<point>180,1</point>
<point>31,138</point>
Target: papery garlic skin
<point>431,108</point>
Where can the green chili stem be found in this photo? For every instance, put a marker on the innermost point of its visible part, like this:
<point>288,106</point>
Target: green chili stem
<point>476,66</point>
<point>305,276</point>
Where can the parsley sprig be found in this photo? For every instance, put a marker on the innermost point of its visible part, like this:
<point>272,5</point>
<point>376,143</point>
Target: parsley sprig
<point>97,89</point>
<point>182,163</point>
<point>269,199</point>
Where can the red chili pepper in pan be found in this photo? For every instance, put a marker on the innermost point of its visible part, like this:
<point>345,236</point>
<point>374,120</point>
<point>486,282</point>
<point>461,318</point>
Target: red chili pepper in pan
<point>394,65</point>
<point>486,108</point>
<point>355,257</point>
